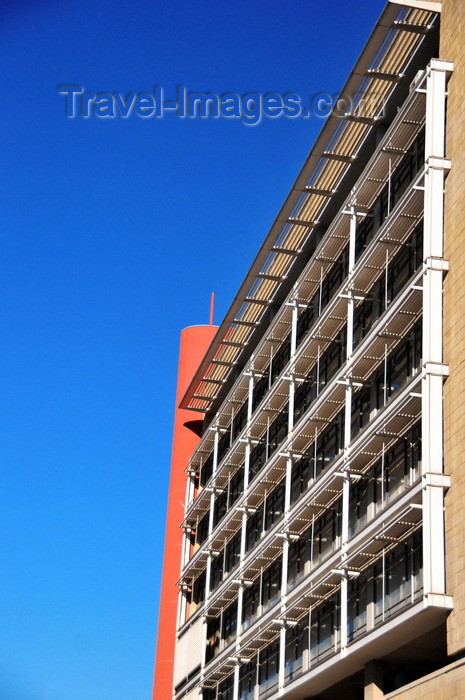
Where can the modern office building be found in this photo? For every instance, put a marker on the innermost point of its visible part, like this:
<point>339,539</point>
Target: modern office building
<point>322,544</point>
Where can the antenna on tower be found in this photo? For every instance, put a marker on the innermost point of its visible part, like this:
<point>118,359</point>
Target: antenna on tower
<point>212,307</point>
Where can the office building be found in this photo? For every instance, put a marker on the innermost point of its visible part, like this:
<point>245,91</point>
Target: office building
<point>322,539</point>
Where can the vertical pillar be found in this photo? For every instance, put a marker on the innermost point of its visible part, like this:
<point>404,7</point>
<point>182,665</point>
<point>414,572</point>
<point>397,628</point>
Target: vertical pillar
<point>236,682</point>
<point>287,538</point>
<point>373,680</point>
<point>433,369</point>
<point>451,48</point>
<point>295,314</point>
<point>347,432</point>
<point>247,445</point>
<point>211,515</point>
<point>350,301</point>
<point>238,641</point>
<point>242,554</point>
<point>193,345</point>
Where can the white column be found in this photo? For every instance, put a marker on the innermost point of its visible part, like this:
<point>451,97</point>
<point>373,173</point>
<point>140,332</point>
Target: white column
<point>295,316</point>
<point>282,657</point>
<point>236,683</point>
<point>238,640</point>
<point>350,301</point>
<point>249,416</point>
<point>210,517</point>
<point>295,313</point>
<point>240,596</point>
<point>347,432</point>
<point>285,568</point>
<point>186,540</point>
<point>433,369</point>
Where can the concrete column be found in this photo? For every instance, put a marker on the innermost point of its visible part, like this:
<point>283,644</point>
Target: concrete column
<point>373,680</point>
<point>433,369</point>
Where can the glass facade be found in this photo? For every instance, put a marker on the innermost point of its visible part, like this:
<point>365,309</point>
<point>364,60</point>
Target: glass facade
<point>307,489</point>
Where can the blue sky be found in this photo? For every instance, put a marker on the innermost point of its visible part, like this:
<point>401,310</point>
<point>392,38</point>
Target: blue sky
<point>113,234</point>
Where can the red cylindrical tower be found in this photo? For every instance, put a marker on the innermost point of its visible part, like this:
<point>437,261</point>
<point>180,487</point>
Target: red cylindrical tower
<point>194,343</point>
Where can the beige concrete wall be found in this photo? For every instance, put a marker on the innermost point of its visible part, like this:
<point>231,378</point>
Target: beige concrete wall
<point>446,684</point>
<point>452,48</point>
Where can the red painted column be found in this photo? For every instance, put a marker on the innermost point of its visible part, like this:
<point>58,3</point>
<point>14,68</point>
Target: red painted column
<point>193,345</point>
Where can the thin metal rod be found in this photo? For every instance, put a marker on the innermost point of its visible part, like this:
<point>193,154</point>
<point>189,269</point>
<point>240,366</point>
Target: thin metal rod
<point>212,307</point>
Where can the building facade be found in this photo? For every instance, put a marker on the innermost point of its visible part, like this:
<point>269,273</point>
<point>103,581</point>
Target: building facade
<point>322,540</point>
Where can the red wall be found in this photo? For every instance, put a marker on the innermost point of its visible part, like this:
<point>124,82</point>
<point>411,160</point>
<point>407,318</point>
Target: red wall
<point>193,345</point>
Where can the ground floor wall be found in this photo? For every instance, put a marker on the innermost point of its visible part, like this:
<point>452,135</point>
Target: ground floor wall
<point>446,684</point>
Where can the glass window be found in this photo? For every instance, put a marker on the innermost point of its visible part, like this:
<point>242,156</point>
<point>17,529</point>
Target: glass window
<point>213,638</point>
<point>236,487</point>
<point>416,564</point>
<point>363,318</point>
<point>268,669</point>
<point>271,584</point>
<point>306,392</point>
<point>202,529</point>
<point>216,571</point>
<point>358,505</point>
<point>277,431</point>
<point>229,624</point>
<point>260,388</point>
<point>198,589</point>
<point>257,458</point>
<point>226,688</point>
<point>335,277</point>
<point>378,591</point>
<point>250,603</point>
<point>414,452</point>
<point>300,478</point>
<point>326,533</point>
<point>233,549</point>
<point>364,234</point>
<point>296,644</point>
<point>397,477</point>
<point>329,444</point>
<point>224,444</point>
<point>280,359</point>
<point>387,479</point>
<point>400,583</point>
<point>299,555</point>
<point>209,694</point>
<point>400,366</point>
<point>408,168</point>
<point>247,680</point>
<point>361,403</point>
<point>324,629</point>
<point>254,528</point>
<point>396,578</point>
<point>331,360</point>
<point>206,470</point>
<point>306,318</point>
<point>357,606</point>
<point>400,179</point>
<point>239,421</point>
<point>274,506</point>
<point>220,507</point>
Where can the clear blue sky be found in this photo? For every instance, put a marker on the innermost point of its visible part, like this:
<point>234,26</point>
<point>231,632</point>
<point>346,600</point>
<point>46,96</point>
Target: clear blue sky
<point>113,234</point>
